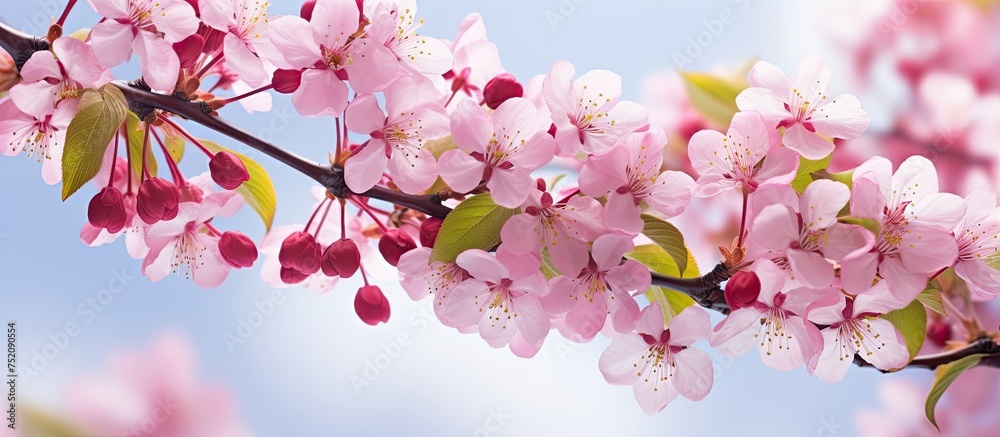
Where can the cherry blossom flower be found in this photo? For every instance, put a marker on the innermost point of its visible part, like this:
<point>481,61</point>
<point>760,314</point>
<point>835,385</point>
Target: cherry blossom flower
<point>397,141</point>
<point>629,174</point>
<point>245,25</point>
<point>148,28</point>
<point>745,158</point>
<point>777,320</point>
<point>48,77</point>
<point>587,112</point>
<point>855,328</point>
<point>476,60</point>
<point>501,149</point>
<point>421,278</point>
<point>916,223</point>
<point>601,290</point>
<point>501,297</point>
<point>978,235</point>
<point>563,228</point>
<point>42,137</point>
<point>394,24</point>
<point>802,107</point>
<point>659,363</point>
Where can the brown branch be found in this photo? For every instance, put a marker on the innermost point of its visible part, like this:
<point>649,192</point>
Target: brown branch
<point>984,345</point>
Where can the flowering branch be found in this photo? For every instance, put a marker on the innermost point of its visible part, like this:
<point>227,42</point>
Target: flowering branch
<point>985,345</point>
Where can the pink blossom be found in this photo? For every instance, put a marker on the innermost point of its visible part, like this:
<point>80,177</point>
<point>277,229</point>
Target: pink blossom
<point>747,157</point>
<point>394,24</point>
<point>601,290</point>
<point>501,149</point>
<point>629,174</point>
<point>42,137</point>
<point>476,60</point>
<point>148,28</point>
<point>659,363</point>
<point>49,77</point>
<point>587,112</point>
<point>855,328</point>
<point>397,140</point>
<point>245,25</point>
<point>802,107</point>
<point>978,235</point>
<point>421,278</point>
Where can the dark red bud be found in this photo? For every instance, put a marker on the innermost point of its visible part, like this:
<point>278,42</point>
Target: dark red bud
<point>742,290</point>
<point>107,211</point>
<point>939,332</point>
<point>429,231</point>
<point>342,258</point>
<point>300,252</point>
<point>394,244</point>
<point>237,249</point>
<point>191,193</point>
<point>189,50</point>
<point>306,12</point>
<point>371,305</point>
<point>286,81</point>
<point>292,276</point>
<point>500,89</point>
<point>228,170</point>
<point>157,200</point>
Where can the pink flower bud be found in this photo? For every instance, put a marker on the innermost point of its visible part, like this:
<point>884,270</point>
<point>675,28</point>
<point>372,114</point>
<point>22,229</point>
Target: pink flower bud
<point>8,71</point>
<point>394,244</point>
<point>939,332</point>
<point>342,258</point>
<point>300,252</point>
<point>107,211</point>
<point>191,193</point>
<point>429,231</point>
<point>292,276</point>
<point>371,305</point>
<point>501,88</point>
<point>742,290</point>
<point>228,170</point>
<point>306,12</point>
<point>286,81</point>
<point>189,49</point>
<point>157,200</point>
<point>237,249</point>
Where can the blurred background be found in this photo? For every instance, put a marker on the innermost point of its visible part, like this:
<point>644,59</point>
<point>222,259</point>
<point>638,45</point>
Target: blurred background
<point>93,333</point>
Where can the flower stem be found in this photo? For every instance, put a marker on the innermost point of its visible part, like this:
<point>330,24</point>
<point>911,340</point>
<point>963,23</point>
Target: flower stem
<point>247,94</point>
<point>62,18</point>
<point>743,220</point>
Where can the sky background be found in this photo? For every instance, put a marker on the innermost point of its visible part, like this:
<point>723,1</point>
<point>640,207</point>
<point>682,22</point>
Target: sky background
<point>293,375</point>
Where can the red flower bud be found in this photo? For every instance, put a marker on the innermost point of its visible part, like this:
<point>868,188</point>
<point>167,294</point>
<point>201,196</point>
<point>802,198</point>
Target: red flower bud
<point>394,244</point>
<point>237,249</point>
<point>501,88</point>
<point>228,170</point>
<point>306,12</point>
<point>292,276</point>
<point>939,332</point>
<point>429,231</point>
<point>157,200</point>
<point>742,290</point>
<point>342,258</point>
<point>189,50</point>
<point>191,193</point>
<point>107,210</point>
<point>300,252</point>
<point>371,305</point>
<point>286,81</point>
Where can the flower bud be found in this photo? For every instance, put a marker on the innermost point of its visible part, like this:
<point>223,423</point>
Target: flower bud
<point>742,290</point>
<point>306,12</point>
<point>394,244</point>
<point>191,193</point>
<point>292,276</point>
<point>107,211</point>
<point>939,332</point>
<point>237,249</point>
<point>371,305</point>
<point>342,258</point>
<point>189,49</point>
<point>429,231</point>
<point>501,88</point>
<point>300,252</point>
<point>8,72</point>
<point>157,200</point>
<point>286,81</point>
<point>228,170</point>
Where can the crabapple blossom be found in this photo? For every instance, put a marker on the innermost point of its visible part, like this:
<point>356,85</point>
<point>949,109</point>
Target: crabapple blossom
<point>245,25</point>
<point>802,107</point>
<point>49,77</point>
<point>421,277</point>
<point>978,235</point>
<point>394,25</point>
<point>659,362</point>
<point>629,174</point>
<point>42,137</point>
<point>476,60</point>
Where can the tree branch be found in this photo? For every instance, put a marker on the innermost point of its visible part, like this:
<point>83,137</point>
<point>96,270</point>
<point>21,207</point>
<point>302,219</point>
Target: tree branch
<point>984,345</point>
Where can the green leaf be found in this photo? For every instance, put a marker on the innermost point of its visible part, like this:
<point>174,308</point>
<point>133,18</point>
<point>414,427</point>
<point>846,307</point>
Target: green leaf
<point>714,96</point>
<point>672,301</point>
<point>473,224</point>
<point>659,261</point>
<point>867,223</point>
<point>944,375</point>
<point>931,298</point>
<point>993,260</point>
<point>548,268</point>
<point>668,237</point>
<point>175,145</point>
<point>844,177</point>
<point>806,168</point>
<point>258,191</point>
<point>911,321</point>
<point>437,148</point>
<point>135,133</point>
<point>89,134</point>
<point>39,423</point>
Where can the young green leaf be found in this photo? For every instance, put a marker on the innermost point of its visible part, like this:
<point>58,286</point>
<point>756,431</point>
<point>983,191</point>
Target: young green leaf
<point>867,223</point>
<point>548,268</point>
<point>911,321</point>
<point>90,132</point>
<point>473,224</point>
<point>803,177</point>
<point>668,237</point>
<point>931,298</point>
<point>944,375</point>
<point>714,96</point>
<point>135,132</point>
<point>258,191</point>
<point>672,301</point>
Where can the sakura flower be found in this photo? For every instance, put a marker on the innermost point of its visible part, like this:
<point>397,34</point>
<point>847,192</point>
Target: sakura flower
<point>42,137</point>
<point>978,235</point>
<point>394,25</point>
<point>745,158</point>
<point>327,53</point>
<point>501,297</point>
<point>855,328</point>
<point>776,318</point>
<point>563,228</point>
<point>629,174</point>
<point>659,362</point>
<point>600,291</point>
<point>421,278</point>
<point>245,24</point>
<point>501,149</point>
<point>916,221</point>
<point>476,60</point>
<point>587,112</point>
<point>397,140</point>
<point>148,28</point>
<point>802,107</point>
<point>48,77</point>
<point>807,233</point>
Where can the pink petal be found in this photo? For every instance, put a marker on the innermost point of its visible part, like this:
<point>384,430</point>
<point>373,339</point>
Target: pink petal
<point>498,333</point>
<point>158,61</point>
<point>767,75</point>
<point>775,227</point>
<point>244,62</point>
<point>293,41</point>
<point>772,280</point>
<point>915,179</point>
<point>622,214</point>
<point>693,376</point>
<point>334,21</point>
<point>537,151</point>
<point>821,202</point>
<point>845,240</point>
<point>858,271</point>
<point>867,200</point>
<point>471,127</point>
<point>604,172</point>
<point>671,194</point>
<point>364,169</point>
<point>112,42</point>
<point>111,8</point>
<point>779,167</point>
<point>831,366</point>
<point>559,300</point>
<point>735,323</point>
<point>460,171</point>
<point>926,249</point>
<point>81,62</point>
<point>568,255</point>
<point>413,174</point>
<point>558,89</point>
<point>943,210</point>
<point>811,80</point>
<point>482,266</point>
<point>625,310</point>
<point>37,99</point>
<point>587,317</point>
<point>809,144</point>
<point>609,249</point>
<point>217,14</point>
<point>176,20</point>
<point>617,363</point>
<point>373,66</point>
<point>764,102</point>
<point>320,93</point>
<point>364,116</point>
<point>842,117</point>
<point>689,326</point>
<point>509,188</point>
<point>811,268</point>
<point>465,305</point>
<point>903,283</point>
<point>653,401</point>
<point>893,354</point>
<point>211,270</point>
